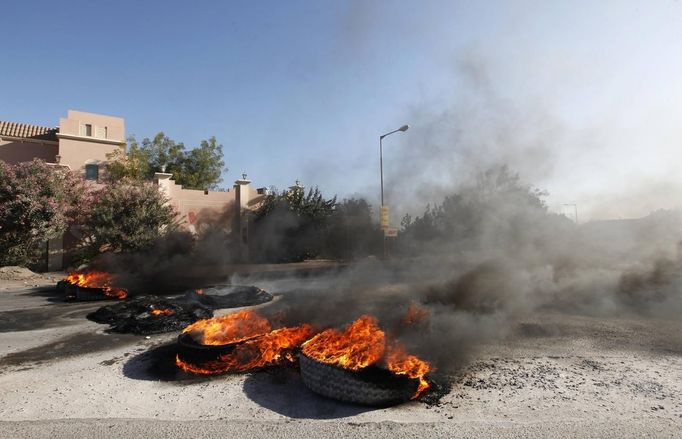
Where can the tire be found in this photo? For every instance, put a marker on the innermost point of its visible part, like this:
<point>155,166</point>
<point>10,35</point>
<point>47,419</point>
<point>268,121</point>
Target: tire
<point>192,352</point>
<point>74,293</point>
<point>371,386</point>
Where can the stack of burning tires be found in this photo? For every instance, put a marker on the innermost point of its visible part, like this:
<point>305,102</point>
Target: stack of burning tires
<point>355,365</point>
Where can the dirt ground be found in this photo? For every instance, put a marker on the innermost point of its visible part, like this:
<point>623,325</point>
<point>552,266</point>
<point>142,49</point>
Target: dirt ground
<point>555,375</point>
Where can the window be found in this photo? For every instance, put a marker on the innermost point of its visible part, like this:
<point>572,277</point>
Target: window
<point>91,171</point>
<point>86,130</point>
<point>101,132</point>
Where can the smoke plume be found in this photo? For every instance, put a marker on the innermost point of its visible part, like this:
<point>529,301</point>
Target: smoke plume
<point>486,253</point>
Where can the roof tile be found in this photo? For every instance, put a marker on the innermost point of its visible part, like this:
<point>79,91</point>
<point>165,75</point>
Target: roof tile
<point>27,131</point>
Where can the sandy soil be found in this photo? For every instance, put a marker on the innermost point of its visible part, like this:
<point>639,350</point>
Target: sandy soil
<point>556,375</point>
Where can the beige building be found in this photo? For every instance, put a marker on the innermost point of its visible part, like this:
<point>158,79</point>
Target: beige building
<point>83,141</point>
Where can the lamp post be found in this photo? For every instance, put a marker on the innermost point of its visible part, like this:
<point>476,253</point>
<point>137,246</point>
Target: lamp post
<point>381,168</point>
<point>381,156</point>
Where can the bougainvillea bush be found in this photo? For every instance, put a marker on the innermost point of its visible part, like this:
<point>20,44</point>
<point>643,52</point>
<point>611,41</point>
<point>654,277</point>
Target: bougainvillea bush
<point>125,216</point>
<point>37,202</point>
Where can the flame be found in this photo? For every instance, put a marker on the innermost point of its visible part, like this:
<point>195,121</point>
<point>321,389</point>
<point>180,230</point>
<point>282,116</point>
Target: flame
<point>398,361</point>
<point>159,312</point>
<point>96,279</point>
<point>200,291</point>
<point>361,344</point>
<point>275,347</point>
<point>231,328</point>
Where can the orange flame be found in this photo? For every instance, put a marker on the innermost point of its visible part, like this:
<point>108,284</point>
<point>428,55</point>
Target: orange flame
<point>96,279</point>
<point>275,347</point>
<point>231,328</point>
<point>398,361</point>
<point>200,291</point>
<point>160,312</point>
<point>361,344</point>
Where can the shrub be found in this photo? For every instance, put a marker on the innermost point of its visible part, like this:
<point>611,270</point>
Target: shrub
<point>290,226</point>
<point>37,203</point>
<point>125,216</point>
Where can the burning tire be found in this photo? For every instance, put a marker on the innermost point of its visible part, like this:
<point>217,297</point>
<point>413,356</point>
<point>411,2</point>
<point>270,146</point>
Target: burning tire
<point>92,285</point>
<point>238,342</point>
<point>229,296</point>
<point>74,293</point>
<point>190,351</point>
<point>371,386</point>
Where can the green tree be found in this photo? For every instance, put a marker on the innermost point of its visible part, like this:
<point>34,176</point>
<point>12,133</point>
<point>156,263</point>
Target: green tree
<point>164,154</point>
<point>198,168</point>
<point>496,209</point>
<point>132,164</point>
<point>125,216</point>
<point>291,225</point>
<point>37,202</point>
<point>202,166</point>
<point>351,232</point>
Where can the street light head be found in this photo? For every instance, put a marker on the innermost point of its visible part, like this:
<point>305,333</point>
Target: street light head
<point>404,128</point>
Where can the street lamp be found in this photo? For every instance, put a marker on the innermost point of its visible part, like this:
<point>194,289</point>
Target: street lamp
<point>381,171</point>
<point>381,156</point>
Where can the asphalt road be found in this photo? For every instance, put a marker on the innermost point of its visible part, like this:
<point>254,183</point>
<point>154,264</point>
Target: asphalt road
<point>554,375</point>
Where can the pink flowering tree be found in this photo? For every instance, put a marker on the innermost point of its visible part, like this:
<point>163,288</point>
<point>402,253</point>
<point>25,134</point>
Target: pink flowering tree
<point>125,216</point>
<point>37,203</point>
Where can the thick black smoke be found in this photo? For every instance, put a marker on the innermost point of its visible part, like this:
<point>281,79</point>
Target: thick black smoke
<point>485,255</point>
<point>488,256</point>
<point>179,260</point>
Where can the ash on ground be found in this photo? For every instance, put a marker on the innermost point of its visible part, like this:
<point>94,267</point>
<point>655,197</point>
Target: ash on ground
<point>440,386</point>
<point>144,315</point>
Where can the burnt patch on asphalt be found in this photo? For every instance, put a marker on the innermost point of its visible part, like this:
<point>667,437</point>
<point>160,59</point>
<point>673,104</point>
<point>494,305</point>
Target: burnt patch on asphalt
<point>42,317</point>
<point>48,291</point>
<point>27,320</point>
<point>69,346</point>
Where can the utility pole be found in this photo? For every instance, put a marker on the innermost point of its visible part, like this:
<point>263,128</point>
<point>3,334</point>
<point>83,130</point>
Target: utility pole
<point>384,208</point>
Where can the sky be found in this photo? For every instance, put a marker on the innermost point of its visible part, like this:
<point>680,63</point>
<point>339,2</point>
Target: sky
<point>581,98</point>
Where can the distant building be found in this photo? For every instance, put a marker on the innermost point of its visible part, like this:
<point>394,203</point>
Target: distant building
<point>83,141</point>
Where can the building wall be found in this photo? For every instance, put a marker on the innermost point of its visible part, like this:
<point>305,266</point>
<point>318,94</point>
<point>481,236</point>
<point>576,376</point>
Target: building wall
<point>17,151</point>
<point>197,208</point>
<point>77,149</point>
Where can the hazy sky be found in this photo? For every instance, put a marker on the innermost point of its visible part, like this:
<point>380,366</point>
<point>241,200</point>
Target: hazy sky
<point>583,99</point>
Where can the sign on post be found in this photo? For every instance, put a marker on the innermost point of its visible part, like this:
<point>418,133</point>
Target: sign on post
<point>390,232</point>
<point>384,219</point>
